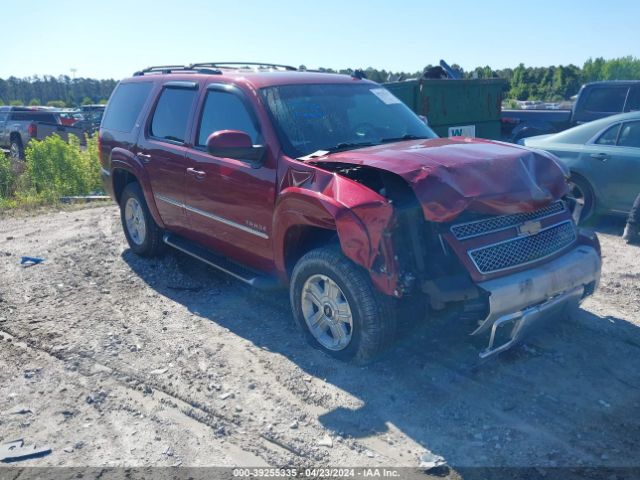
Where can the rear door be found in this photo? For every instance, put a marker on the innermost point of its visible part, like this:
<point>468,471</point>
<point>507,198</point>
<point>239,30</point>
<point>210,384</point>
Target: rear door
<point>229,202</point>
<point>162,150</point>
<point>627,161</point>
<point>612,164</point>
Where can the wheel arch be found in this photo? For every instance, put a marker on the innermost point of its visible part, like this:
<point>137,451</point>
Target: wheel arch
<point>125,168</point>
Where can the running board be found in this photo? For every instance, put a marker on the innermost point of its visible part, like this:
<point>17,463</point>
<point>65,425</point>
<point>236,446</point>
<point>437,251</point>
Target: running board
<point>261,282</point>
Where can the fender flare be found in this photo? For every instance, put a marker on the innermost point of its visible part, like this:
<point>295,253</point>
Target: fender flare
<point>122,159</point>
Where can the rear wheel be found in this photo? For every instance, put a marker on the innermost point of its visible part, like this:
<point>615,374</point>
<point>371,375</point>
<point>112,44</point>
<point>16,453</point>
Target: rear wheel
<point>142,233</point>
<point>16,149</point>
<point>338,307</point>
<point>581,191</point>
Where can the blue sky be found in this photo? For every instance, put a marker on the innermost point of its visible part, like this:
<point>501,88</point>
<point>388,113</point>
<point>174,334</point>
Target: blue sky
<point>111,39</point>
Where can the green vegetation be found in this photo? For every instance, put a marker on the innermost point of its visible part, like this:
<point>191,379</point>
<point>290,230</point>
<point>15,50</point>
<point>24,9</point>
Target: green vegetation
<point>536,83</point>
<point>552,83</point>
<point>52,168</point>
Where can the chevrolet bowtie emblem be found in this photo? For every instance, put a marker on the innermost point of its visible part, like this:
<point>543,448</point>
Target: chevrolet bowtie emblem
<point>530,228</point>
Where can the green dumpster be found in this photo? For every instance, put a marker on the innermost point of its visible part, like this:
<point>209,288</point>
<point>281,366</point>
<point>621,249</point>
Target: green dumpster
<point>455,107</point>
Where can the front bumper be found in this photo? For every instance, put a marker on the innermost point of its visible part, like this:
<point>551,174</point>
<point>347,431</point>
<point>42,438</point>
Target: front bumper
<point>524,299</point>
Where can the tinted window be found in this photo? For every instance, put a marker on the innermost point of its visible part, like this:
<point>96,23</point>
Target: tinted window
<point>3,116</point>
<point>630,135</point>
<point>125,105</point>
<point>33,116</point>
<point>225,111</point>
<point>607,100</point>
<point>610,136</point>
<point>172,114</point>
<point>633,103</point>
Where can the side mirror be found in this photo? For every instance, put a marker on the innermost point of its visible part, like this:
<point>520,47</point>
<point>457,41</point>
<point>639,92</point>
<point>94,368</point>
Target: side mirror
<point>235,144</point>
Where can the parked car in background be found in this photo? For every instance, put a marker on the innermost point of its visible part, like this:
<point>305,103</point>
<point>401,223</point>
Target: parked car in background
<point>594,101</point>
<point>92,116</point>
<point>330,186</point>
<point>70,117</point>
<point>19,125</point>
<point>603,158</point>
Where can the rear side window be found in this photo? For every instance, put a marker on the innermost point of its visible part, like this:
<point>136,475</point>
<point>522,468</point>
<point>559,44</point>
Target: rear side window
<point>33,117</point>
<point>125,105</point>
<point>225,111</point>
<point>606,100</point>
<point>3,116</point>
<point>172,114</point>
<point>630,135</point>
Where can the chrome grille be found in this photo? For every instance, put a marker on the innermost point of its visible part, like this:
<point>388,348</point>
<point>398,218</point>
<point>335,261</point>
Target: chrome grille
<point>463,231</point>
<point>523,250</point>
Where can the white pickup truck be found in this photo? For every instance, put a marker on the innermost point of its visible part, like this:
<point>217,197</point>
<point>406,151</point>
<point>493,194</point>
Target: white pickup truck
<point>18,125</point>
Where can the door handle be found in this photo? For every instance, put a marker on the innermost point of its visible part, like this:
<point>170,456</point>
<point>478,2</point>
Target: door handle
<point>144,157</point>
<point>199,174</point>
<point>600,156</point>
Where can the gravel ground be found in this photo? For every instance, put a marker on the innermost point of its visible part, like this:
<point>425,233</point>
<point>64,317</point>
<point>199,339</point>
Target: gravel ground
<point>114,360</point>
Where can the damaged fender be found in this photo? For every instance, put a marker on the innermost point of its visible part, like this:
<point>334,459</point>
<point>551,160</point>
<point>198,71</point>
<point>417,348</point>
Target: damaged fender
<point>358,215</point>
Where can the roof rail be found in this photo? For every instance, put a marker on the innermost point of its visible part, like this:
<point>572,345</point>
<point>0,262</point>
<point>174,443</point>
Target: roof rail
<point>175,68</point>
<point>243,64</point>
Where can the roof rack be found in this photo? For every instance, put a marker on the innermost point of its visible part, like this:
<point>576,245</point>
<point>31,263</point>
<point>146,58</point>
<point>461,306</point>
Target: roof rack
<point>175,68</point>
<point>243,64</point>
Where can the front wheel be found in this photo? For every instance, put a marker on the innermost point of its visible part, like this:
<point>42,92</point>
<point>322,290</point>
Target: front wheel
<point>338,307</point>
<point>581,191</point>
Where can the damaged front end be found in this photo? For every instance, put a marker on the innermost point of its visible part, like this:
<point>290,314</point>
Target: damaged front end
<point>479,228</point>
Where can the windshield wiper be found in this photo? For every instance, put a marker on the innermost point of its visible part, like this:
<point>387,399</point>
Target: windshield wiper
<point>349,146</point>
<point>404,137</point>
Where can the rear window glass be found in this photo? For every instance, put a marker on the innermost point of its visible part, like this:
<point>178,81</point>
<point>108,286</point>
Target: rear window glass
<point>125,105</point>
<point>172,113</point>
<point>608,100</point>
<point>33,117</point>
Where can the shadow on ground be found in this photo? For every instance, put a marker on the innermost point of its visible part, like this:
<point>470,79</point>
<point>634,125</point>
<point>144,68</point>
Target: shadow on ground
<point>569,397</point>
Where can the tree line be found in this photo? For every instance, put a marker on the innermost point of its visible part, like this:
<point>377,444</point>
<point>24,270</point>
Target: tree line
<point>554,83</point>
<point>62,91</point>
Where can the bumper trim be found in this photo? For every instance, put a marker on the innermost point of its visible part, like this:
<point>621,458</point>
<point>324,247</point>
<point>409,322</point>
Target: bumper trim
<point>539,292</point>
<point>525,318</point>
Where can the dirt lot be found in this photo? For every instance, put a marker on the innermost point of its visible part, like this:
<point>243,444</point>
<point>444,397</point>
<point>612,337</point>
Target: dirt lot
<point>115,360</point>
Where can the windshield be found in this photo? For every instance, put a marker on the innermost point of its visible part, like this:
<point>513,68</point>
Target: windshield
<point>334,117</point>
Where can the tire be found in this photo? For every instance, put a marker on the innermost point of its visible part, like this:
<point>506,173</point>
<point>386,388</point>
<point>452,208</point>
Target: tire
<point>16,149</point>
<point>371,323</point>
<point>582,192</point>
<point>142,233</point>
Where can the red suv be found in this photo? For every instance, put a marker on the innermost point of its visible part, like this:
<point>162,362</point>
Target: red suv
<point>330,185</point>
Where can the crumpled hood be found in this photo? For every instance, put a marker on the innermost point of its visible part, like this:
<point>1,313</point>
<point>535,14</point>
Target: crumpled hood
<point>453,175</point>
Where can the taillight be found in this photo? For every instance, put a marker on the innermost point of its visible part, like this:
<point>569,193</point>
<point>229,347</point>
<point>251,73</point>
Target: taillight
<point>99,148</point>
<point>33,130</point>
